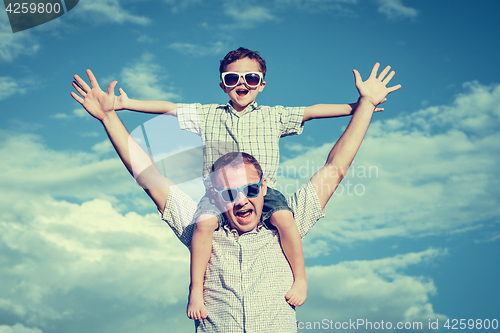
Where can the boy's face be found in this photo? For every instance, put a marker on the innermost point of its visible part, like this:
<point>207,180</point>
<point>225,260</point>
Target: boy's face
<point>242,95</point>
<point>244,213</point>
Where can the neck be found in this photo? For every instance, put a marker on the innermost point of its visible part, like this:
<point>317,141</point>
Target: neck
<point>238,108</point>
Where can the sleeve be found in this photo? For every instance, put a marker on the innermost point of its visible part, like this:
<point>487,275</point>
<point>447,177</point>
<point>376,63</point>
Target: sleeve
<point>191,117</point>
<point>179,214</point>
<point>291,120</point>
<point>306,207</point>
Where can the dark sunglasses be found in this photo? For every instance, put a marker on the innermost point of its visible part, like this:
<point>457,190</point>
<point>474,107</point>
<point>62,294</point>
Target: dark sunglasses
<point>231,194</point>
<point>231,79</point>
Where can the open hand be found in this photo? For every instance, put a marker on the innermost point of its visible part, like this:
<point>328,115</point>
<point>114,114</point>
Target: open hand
<point>375,89</point>
<point>121,101</point>
<point>94,100</point>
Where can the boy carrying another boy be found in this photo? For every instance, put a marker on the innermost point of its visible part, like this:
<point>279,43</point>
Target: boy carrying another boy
<point>241,125</point>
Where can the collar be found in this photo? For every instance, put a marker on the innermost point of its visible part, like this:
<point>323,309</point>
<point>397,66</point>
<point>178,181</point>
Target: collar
<point>248,109</point>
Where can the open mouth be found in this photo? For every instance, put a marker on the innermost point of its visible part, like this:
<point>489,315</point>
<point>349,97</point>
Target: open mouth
<point>244,214</point>
<point>241,92</point>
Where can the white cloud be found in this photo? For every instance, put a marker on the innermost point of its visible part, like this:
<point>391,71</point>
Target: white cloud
<point>245,15</point>
<point>78,113</point>
<point>198,50</point>
<point>81,113</point>
<point>394,9</point>
<point>336,6</point>
<point>109,11</point>
<point>18,328</point>
<point>28,166</point>
<point>91,135</point>
<point>145,39</point>
<point>64,262</point>
<point>432,172</point>
<point>177,5</point>
<point>12,45</point>
<point>103,147</point>
<point>9,87</point>
<point>60,116</point>
<point>23,43</point>
<point>250,14</point>
<point>371,290</point>
<point>144,79</point>
<point>52,249</point>
<point>295,147</point>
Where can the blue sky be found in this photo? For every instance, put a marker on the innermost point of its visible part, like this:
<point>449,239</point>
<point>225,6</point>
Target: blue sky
<point>412,234</point>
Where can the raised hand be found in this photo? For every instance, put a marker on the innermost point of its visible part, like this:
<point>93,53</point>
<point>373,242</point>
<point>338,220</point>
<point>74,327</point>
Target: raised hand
<point>121,101</point>
<point>94,100</point>
<point>375,89</point>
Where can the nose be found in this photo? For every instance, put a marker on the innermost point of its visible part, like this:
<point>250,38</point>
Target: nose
<point>241,200</point>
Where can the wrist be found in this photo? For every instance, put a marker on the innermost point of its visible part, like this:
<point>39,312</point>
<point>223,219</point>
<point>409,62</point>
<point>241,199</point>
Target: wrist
<point>122,105</point>
<point>365,101</point>
<point>109,117</point>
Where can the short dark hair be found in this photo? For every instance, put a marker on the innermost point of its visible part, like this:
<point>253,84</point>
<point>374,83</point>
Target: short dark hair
<point>242,53</point>
<point>234,160</point>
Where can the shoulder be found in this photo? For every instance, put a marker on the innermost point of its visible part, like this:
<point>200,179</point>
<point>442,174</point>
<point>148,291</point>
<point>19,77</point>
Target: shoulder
<point>281,110</point>
<point>179,214</point>
<point>306,207</point>
<point>198,111</point>
<point>199,106</point>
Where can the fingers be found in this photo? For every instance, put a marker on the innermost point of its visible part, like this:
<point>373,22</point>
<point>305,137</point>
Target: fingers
<point>92,79</point>
<point>374,70</point>
<point>122,92</point>
<point>111,87</point>
<point>82,83</point>
<point>384,73</point>
<point>197,315</point>
<point>391,89</point>
<point>79,89</point>
<point>357,76</point>
<point>389,77</point>
<point>77,98</point>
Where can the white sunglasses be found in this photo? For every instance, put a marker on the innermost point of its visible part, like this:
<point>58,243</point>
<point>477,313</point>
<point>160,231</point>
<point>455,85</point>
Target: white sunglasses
<point>231,79</point>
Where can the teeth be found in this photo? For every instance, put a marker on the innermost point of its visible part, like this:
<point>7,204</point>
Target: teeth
<point>243,212</point>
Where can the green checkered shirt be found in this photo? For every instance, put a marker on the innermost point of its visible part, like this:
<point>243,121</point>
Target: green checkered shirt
<point>255,131</point>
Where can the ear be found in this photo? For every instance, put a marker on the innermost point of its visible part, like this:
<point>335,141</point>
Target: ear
<point>216,198</point>
<point>264,187</point>
<point>262,85</point>
<point>223,87</point>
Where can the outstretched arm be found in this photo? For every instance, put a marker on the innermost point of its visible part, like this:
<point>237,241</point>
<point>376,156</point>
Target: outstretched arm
<point>100,105</point>
<point>330,111</point>
<point>327,111</point>
<point>122,102</point>
<point>372,92</point>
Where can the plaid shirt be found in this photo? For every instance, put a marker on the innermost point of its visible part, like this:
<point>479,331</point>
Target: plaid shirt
<point>247,276</point>
<point>256,131</point>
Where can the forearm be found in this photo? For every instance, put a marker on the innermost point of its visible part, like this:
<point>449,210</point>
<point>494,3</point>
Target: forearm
<point>151,106</point>
<point>119,137</point>
<point>102,106</point>
<point>328,111</point>
<point>373,92</point>
<point>136,160</point>
<point>343,152</point>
